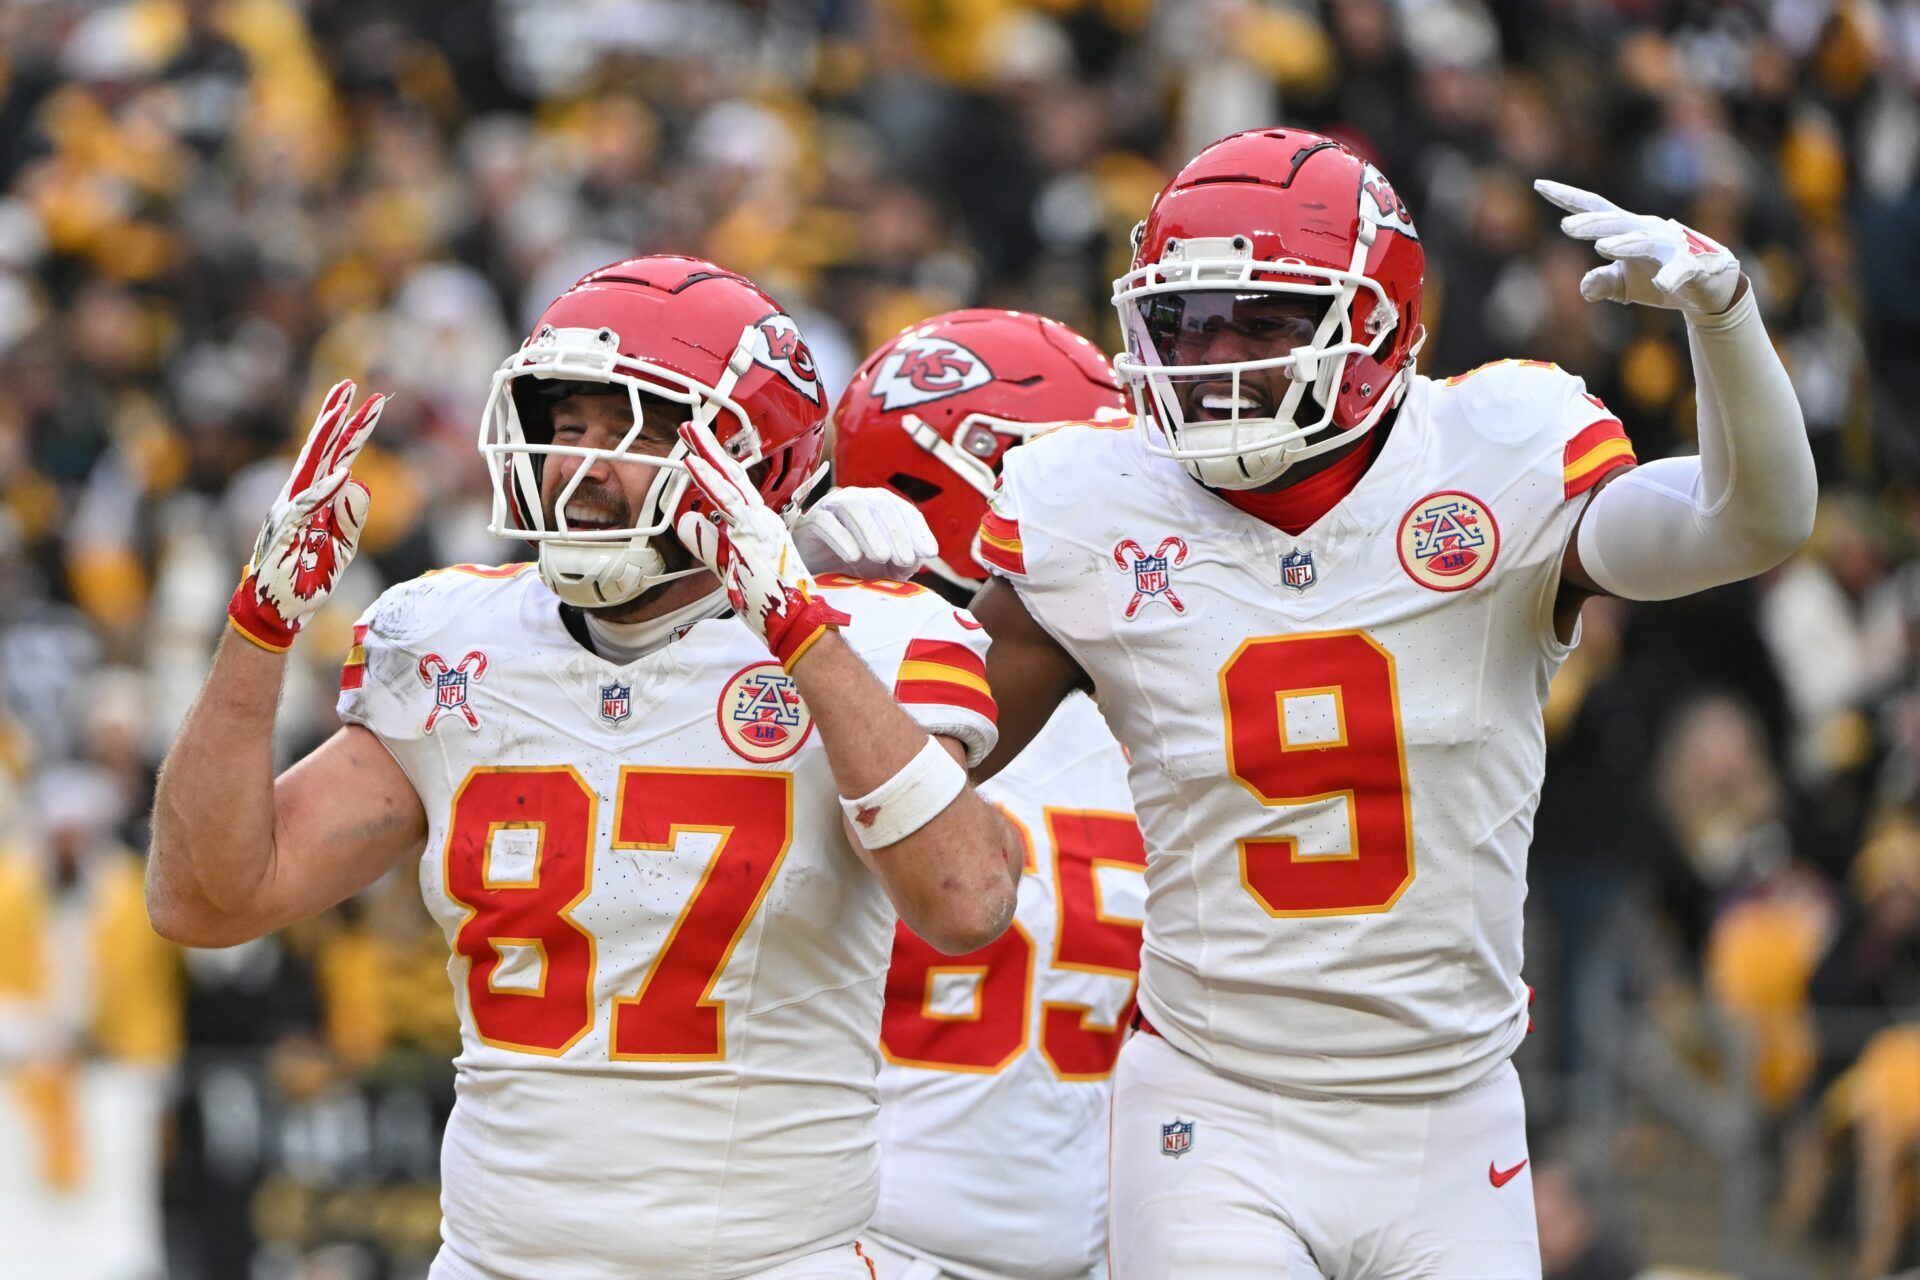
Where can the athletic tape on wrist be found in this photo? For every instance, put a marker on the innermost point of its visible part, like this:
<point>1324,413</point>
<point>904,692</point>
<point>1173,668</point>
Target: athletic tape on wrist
<point>907,801</point>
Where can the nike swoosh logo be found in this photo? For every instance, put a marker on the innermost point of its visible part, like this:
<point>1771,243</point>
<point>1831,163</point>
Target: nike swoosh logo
<point>1501,1177</point>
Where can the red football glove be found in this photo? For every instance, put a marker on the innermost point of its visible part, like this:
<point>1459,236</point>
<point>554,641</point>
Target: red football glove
<point>751,551</point>
<point>312,530</point>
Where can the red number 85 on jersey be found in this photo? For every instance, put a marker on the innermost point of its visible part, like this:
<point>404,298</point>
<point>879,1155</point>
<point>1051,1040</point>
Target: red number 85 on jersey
<point>995,1031</point>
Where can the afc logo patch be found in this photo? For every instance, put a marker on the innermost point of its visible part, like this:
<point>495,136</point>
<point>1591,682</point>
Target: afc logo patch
<point>1152,574</point>
<point>927,368</point>
<point>450,685</point>
<point>1448,541</point>
<point>1176,1139</point>
<point>1296,570</point>
<point>616,702</point>
<point>760,714</point>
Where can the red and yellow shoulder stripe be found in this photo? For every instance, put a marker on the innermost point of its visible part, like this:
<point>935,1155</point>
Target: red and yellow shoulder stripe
<point>513,570</point>
<point>1000,545</point>
<point>1595,452</point>
<point>354,673</point>
<point>945,673</point>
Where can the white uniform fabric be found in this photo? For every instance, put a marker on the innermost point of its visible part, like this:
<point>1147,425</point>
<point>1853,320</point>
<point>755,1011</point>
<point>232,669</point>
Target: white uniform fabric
<point>988,1173</point>
<point>1413,623</point>
<point>856,1261</point>
<point>731,1130</point>
<point>1681,525</point>
<point>1268,1186</point>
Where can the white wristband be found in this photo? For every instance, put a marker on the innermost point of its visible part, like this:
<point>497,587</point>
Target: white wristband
<point>907,801</point>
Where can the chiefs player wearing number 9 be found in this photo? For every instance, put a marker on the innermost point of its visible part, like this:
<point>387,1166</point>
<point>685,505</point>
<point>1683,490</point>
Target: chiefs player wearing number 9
<point>1319,598</point>
<point>993,1102</point>
<point>666,791</point>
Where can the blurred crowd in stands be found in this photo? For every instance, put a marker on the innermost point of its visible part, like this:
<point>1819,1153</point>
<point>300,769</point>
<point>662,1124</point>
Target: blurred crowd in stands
<point>210,210</point>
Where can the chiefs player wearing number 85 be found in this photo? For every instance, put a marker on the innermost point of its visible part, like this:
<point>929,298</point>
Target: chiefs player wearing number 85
<point>993,1115</point>
<point>667,846</point>
<point>1320,599</point>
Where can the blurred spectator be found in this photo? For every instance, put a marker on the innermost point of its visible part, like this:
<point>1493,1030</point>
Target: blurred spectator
<point>90,1027</point>
<point>1577,1240</point>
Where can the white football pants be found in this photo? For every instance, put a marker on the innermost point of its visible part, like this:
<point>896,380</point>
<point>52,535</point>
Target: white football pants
<point>842,1262</point>
<point>1270,1186</point>
<point>895,1261</point>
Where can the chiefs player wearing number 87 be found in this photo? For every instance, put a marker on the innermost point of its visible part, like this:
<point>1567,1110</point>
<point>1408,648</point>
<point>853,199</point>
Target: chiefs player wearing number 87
<point>1319,598</point>
<point>666,845</point>
<point>1020,1037</point>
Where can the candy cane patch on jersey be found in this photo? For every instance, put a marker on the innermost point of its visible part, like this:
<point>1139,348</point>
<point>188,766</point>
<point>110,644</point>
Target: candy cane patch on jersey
<point>1448,541</point>
<point>1152,574</point>
<point>451,685</point>
<point>761,716</point>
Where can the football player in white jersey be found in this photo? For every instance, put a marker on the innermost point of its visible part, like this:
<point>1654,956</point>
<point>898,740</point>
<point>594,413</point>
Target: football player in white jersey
<point>668,947</point>
<point>1319,599</point>
<point>993,1102</point>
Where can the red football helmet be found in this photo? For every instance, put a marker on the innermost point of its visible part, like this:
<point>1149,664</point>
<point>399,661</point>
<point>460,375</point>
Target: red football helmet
<point>678,329</point>
<point>931,414</point>
<point>1271,211</point>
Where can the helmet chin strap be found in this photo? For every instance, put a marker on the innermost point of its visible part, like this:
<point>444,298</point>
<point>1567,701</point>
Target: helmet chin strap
<point>1241,473</point>
<point>586,575</point>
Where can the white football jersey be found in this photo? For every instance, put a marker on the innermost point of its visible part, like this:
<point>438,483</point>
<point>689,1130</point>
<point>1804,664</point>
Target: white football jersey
<point>993,1099</point>
<point>1336,738</point>
<point>667,960</point>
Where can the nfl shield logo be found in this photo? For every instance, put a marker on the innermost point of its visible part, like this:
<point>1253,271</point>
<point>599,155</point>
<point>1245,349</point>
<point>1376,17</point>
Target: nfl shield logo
<point>1176,1139</point>
<point>616,702</point>
<point>450,689</point>
<point>1150,575</point>
<point>1296,569</point>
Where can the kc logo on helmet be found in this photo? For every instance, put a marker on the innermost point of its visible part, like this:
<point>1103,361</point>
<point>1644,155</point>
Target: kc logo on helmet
<point>926,368</point>
<point>1380,204</point>
<point>777,344</point>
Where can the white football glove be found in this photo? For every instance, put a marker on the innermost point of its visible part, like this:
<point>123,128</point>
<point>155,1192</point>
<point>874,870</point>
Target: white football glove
<point>751,551</point>
<point>869,533</point>
<point>1658,262</point>
<point>312,530</point>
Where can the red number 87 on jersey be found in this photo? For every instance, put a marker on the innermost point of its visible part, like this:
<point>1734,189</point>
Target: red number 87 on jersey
<point>530,976</point>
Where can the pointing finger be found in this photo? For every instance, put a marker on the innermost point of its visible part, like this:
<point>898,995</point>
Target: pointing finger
<point>1571,198</point>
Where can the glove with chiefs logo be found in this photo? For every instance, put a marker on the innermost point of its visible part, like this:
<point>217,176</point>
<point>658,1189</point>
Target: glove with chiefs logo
<point>1657,262</point>
<point>751,551</point>
<point>312,531</point>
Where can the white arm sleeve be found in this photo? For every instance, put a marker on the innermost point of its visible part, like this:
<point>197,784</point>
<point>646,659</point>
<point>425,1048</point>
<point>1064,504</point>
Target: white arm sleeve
<point>1680,525</point>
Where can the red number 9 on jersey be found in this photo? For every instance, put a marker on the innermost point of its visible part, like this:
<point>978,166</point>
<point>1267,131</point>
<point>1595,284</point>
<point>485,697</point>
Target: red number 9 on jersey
<point>1313,718</point>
